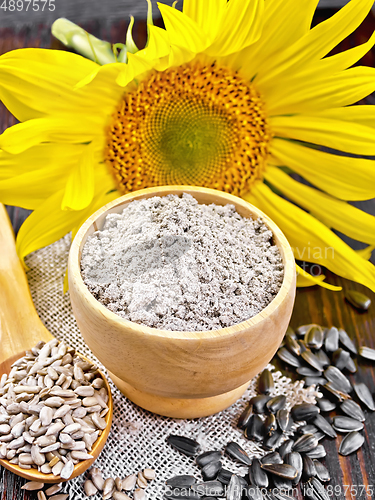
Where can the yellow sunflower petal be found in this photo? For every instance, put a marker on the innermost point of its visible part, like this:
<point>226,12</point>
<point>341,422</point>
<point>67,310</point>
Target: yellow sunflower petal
<point>366,253</point>
<point>240,26</point>
<point>317,43</point>
<point>310,239</point>
<point>157,45</point>
<point>305,279</point>
<point>326,91</point>
<point>80,186</point>
<point>48,155</point>
<point>343,177</point>
<point>182,30</point>
<point>283,26</point>
<point>33,132</point>
<point>363,115</point>
<point>343,136</point>
<point>206,14</point>
<point>334,213</point>
<point>38,82</point>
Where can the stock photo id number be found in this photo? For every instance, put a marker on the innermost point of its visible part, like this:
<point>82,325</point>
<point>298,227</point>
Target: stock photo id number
<point>27,5</point>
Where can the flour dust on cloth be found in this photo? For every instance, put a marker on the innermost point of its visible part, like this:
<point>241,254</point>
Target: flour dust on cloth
<point>138,438</point>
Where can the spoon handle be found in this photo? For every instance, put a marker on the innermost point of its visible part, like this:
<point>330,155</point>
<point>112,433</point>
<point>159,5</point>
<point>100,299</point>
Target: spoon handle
<point>20,326</point>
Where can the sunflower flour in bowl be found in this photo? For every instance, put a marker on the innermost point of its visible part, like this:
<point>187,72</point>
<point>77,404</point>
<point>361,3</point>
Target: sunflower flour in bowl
<point>173,264</point>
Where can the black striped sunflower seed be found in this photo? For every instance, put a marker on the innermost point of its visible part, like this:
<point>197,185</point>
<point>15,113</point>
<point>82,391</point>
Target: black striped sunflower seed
<point>234,490</point>
<point>315,381</point>
<point>305,443</point>
<point>234,450</point>
<point>302,345</point>
<point>274,441</point>
<point>321,423</point>
<point>367,353</point>
<point>301,330</point>
<point>245,416</point>
<point>208,457</point>
<point>352,409</point>
<point>259,403</point>
<point>304,411</point>
<point>295,459</point>
<point>224,476</point>
<point>272,458</point>
<point>320,491</point>
<point>265,382</point>
<point>351,443</point>
<point>351,366</point>
<point>340,358</point>
<point>211,470</point>
<point>338,379</point>
<point>281,484</point>
<point>286,471</point>
<point>292,345</point>
<point>258,477</point>
<point>331,341</point>
<point>307,429</point>
<point>185,445</point>
<point>183,481</point>
<point>318,452</point>
<point>333,393</point>
<point>288,357</point>
<point>309,469</point>
<point>255,429</point>
<point>307,371</point>
<point>209,488</point>
<point>364,395</point>
<point>270,424</point>
<point>283,418</point>
<point>286,448</point>
<point>275,404</point>
<point>358,300</point>
<point>347,424</point>
<point>346,341</point>
<point>314,337</point>
<point>321,472</point>
<point>323,358</point>
<point>311,359</point>
<point>326,405</point>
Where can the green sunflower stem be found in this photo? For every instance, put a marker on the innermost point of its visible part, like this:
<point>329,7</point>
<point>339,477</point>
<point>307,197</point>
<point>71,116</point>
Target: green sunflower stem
<point>87,45</point>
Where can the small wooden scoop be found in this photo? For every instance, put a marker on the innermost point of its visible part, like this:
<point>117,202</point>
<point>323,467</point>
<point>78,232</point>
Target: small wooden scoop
<point>20,330</point>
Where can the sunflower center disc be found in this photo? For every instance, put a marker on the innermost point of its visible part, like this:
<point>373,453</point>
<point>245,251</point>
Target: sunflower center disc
<point>194,124</point>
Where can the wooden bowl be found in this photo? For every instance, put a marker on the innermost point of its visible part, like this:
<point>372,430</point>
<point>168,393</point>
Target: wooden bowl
<point>172,373</point>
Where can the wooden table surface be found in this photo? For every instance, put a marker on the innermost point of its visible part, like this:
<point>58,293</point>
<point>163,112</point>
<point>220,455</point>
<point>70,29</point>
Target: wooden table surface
<point>352,476</point>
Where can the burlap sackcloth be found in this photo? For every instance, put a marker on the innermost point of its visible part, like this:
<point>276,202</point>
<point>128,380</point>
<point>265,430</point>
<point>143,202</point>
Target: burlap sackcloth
<point>138,438</point>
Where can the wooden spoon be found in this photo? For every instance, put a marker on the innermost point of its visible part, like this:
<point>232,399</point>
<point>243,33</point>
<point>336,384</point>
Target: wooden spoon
<point>20,330</point>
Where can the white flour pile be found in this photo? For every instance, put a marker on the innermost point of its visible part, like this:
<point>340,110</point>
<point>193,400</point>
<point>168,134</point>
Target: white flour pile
<point>170,263</point>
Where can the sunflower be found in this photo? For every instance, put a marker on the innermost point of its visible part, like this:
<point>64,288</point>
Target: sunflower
<point>238,96</point>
